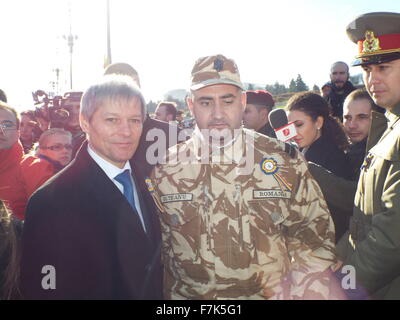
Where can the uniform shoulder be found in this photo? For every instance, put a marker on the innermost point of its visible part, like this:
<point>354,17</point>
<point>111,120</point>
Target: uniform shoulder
<point>262,143</point>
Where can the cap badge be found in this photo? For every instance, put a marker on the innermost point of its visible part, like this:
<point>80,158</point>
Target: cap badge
<point>218,64</point>
<point>370,44</point>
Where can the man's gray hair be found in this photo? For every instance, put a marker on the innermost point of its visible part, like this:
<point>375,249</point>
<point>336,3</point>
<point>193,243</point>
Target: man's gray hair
<point>111,88</point>
<point>44,137</point>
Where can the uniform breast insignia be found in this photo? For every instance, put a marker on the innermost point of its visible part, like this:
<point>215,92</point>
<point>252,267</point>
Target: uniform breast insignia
<point>149,184</point>
<point>271,194</point>
<point>150,187</point>
<point>269,166</point>
<point>176,197</point>
<point>370,44</point>
<point>367,162</point>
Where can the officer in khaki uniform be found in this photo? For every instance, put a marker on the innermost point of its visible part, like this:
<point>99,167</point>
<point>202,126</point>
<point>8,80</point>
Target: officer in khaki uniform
<point>242,218</point>
<point>372,246</point>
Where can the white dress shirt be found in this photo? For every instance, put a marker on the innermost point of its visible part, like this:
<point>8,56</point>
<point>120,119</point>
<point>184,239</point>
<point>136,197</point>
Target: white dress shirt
<point>112,171</point>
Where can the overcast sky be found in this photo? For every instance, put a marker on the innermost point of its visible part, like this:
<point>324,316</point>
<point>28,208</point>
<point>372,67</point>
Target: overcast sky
<point>269,40</point>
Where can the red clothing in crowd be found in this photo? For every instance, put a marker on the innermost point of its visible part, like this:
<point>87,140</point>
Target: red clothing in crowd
<point>20,176</point>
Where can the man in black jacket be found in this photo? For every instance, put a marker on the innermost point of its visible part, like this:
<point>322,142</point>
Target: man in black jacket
<point>258,106</point>
<point>92,231</point>
<point>340,88</point>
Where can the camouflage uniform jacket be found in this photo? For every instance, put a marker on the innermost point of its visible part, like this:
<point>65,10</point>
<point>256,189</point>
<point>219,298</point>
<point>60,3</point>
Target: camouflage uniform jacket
<point>232,231</point>
<point>373,245</point>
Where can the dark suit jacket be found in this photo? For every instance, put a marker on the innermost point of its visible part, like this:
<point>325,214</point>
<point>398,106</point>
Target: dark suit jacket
<point>80,223</point>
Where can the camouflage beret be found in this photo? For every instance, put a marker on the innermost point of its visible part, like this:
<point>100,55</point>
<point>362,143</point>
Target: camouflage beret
<point>378,37</point>
<point>260,97</point>
<point>216,69</point>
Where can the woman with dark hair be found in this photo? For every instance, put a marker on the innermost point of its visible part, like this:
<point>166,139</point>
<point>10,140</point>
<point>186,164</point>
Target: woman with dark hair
<point>322,140</point>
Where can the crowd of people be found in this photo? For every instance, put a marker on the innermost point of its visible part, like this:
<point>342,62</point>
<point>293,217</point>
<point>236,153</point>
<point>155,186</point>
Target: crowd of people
<point>101,201</point>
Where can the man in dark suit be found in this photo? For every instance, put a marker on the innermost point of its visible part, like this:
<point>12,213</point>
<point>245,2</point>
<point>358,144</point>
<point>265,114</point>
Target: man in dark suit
<point>92,231</point>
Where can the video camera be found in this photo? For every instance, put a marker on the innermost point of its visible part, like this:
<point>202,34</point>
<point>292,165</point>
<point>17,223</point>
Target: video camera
<point>54,110</point>
<point>50,109</point>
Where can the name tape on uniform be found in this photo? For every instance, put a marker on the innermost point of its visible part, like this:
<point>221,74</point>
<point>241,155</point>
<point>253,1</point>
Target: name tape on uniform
<point>267,194</point>
<point>177,197</point>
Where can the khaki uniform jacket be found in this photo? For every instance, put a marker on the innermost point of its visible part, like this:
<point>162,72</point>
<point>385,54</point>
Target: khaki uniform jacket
<point>373,245</point>
<point>244,222</point>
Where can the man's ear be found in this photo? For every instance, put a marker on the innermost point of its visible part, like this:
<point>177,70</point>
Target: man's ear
<point>189,103</point>
<point>244,100</point>
<point>264,114</point>
<point>84,123</point>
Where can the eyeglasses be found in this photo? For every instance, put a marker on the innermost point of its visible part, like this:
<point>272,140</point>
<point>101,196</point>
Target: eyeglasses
<point>59,147</point>
<point>7,126</point>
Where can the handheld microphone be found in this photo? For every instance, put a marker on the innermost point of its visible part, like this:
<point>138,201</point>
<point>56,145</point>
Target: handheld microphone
<point>284,131</point>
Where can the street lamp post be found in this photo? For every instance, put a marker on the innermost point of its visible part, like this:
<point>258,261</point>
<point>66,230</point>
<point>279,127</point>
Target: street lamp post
<point>70,41</point>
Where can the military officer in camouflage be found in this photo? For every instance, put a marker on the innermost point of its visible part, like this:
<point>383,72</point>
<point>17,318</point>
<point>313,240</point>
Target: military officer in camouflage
<point>242,218</point>
<point>372,246</point>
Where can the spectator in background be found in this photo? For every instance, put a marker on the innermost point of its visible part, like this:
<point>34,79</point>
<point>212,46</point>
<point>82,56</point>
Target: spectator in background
<point>3,96</point>
<point>357,115</point>
<point>123,69</point>
<point>166,111</point>
<point>72,102</point>
<point>322,141</point>
<point>55,146</point>
<point>326,90</point>
<point>29,130</point>
<point>20,175</point>
<point>179,118</point>
<point>340,88</point>
<point>258,106</point>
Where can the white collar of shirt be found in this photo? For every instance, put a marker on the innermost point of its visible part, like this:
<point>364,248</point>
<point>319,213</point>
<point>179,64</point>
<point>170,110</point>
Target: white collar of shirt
<point>110,170</point>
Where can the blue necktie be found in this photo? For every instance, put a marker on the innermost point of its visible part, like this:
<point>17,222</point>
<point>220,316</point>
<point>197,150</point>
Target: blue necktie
<point>124,178</point>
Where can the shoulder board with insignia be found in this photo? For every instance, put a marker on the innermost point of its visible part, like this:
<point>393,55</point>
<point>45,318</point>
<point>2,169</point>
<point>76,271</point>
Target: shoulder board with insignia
<point>291,150</point>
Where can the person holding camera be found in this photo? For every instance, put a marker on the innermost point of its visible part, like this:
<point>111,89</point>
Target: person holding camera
<point>60,112</point>
<point>72,103</point>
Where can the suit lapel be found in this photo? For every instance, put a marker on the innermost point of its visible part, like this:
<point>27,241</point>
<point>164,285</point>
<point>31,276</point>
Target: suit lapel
<point>108,197</point>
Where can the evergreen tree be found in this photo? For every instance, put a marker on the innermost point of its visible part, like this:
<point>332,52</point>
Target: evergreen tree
<point>300,85</point>
<point>270,88</point>
<point>356,79</point>
<point>250,86</point>
<point>315,88</point>
<point>292,86</point>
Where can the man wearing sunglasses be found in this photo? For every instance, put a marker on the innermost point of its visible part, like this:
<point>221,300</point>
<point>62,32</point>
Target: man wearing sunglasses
<point>55,146</point>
